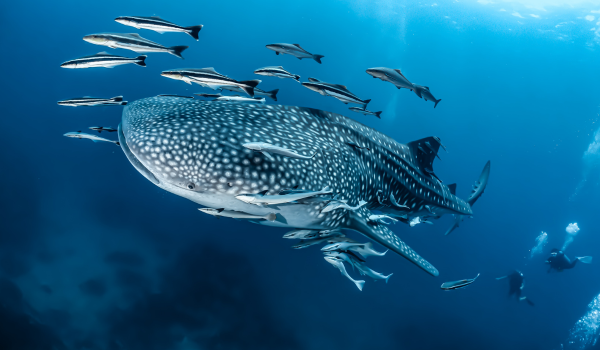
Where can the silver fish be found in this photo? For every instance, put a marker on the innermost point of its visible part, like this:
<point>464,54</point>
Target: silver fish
<point>365,111</point>
<point>172,95</point>
<point>133,42</point>
<point>267,148</point>
<point>360,265</point>
<point>257,92</point>
<point>458,284</point>
<point>102,128</point>
<point>310,242</point>
<point>341,205</point>
<point>294,50</point>
<point>240,99</point>
<point>393,76</point>
<point>426,93</point>
<point>419,220</point>
<point>364,249</point>
<point>340,92</point>
<point>381,219</point>
<point>209,77</point>
<point>103,60</point>
<point>301,234</point>
<point>339,263</point>
<point>93,101</point>
<point>262,198</point>
<point>237,214</point>
<point>81,135</point>
<point>210,95</point>
<point>277,71</point>
<point>158,25</point>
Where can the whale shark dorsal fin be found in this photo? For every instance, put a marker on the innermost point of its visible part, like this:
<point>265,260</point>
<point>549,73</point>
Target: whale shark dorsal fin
<point>452,188</point>
<point>262,193</point>
<point>314,80</point>
<point>424,152</point>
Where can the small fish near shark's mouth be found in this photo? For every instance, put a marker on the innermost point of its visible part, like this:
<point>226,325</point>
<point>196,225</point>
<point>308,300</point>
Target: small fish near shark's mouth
<point>133,159</point>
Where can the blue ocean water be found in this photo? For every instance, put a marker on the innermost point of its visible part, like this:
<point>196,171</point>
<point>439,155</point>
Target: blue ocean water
<point>94,256</point>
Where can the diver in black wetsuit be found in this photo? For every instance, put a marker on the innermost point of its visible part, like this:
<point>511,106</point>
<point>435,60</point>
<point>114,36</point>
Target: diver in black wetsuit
<point>516,283</point>
<point>559,261</point>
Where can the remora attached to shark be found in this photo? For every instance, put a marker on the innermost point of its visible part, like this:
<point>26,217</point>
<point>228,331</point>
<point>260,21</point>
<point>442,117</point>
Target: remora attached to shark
<point>194,149</point>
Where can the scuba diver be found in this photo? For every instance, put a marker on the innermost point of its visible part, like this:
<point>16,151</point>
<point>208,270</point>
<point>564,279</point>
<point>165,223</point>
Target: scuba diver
<point>516,283</point>
<point>559,261</point>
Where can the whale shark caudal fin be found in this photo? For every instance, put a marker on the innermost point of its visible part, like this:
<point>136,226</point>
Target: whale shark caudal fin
<point>384,236</point>
<point>193,31</point>
<point>478,189</point>
<point>585,259</point>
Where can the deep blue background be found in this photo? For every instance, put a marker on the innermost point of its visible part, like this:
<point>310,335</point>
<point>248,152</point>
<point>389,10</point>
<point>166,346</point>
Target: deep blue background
<point>100,258</point>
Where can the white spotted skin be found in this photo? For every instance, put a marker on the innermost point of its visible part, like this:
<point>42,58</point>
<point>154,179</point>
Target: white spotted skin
<point>183,142</point>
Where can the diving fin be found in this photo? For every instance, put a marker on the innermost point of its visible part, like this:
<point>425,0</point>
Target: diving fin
<point>585,259</point>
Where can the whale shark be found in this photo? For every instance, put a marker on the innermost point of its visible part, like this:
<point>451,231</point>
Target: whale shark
<point>194,149</point>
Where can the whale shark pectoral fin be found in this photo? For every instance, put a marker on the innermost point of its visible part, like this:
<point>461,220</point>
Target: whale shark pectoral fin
<point>384,236</point>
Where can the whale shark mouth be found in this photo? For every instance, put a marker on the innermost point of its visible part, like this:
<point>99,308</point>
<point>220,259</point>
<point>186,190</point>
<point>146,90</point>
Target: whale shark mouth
<point>133,159</point>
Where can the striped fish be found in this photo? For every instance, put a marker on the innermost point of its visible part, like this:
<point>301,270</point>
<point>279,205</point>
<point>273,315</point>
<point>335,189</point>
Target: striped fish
<point>334,90</point>
<point>133,42</point>
<point>93,101</point>
<point>208,77</point>
<point>365,111</point>
<point>158,24</point>
<point>103,59</point>
<point>276,71</point>
<point>458,284</point>
<point>257,92</point>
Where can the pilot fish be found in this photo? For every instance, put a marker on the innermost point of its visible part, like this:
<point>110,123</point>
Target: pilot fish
<point>193,149</point>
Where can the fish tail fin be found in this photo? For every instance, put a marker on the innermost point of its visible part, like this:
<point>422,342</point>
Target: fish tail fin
<point>123,103</point>
<point>359,283</point>
<point>366,102</point>
<point>297,78</point>
<point>141,60</point>
<point>177,50</point>
<point>585,259</point>
<point>117,99</point>
<point>249,86</point>
<point>378,114</point>
<point>436,102</point>
<point>388,277</point>
<point>273,94</point>
<point>271,217</point>
<point>193,31</point>
<point>317,58</point>
<point>117,143</point>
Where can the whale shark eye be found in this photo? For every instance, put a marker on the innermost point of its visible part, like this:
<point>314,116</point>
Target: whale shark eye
<point>191,185</point>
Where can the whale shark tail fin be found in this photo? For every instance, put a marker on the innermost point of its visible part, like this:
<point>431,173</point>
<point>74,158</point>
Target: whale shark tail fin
<point>384,236</point>
<point>480,184</point>
<point>585,259</point>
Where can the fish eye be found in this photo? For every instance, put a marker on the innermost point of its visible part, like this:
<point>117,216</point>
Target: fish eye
<point>191,185</point>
